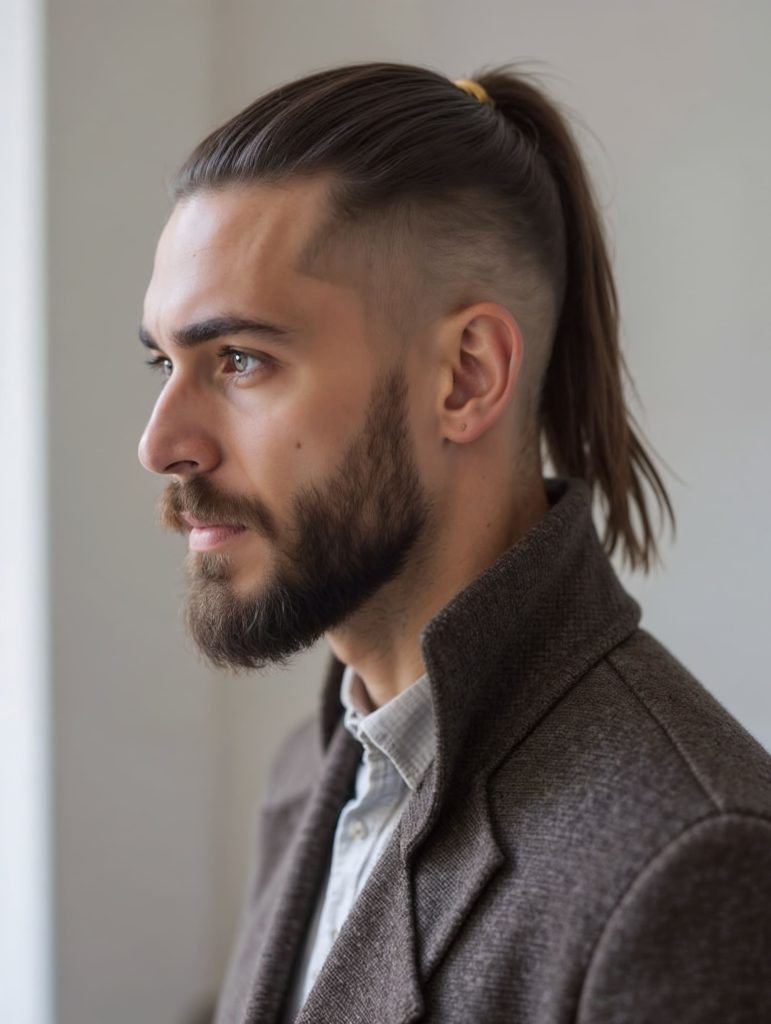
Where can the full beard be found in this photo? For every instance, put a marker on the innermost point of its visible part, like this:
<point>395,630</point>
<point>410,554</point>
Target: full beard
<point>348,538</point>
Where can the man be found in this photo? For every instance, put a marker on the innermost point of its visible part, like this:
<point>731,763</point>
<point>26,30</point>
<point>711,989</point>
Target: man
<point>380,299</point>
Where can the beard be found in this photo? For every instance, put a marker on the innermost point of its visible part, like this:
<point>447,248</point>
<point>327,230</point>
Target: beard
<point>346,538</point>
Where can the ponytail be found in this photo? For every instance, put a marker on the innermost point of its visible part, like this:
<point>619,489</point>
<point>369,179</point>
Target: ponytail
<point>587,428</point>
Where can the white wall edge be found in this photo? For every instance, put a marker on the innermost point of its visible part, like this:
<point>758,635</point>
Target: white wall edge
<point>26,981</point>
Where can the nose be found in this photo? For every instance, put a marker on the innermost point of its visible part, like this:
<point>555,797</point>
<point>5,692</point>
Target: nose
<point>177,439</point>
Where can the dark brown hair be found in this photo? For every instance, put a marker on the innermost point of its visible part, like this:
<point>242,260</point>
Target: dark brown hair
<point>485,202</point>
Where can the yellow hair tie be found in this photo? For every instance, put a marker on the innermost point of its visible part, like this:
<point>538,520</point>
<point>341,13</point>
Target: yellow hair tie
<point>474,89</point>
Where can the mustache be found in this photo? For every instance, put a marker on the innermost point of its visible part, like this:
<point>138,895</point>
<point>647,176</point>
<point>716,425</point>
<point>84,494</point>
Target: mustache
<point>197,498</point>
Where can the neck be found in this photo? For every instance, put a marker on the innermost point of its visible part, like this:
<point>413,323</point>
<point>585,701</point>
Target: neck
<point>382,640</point>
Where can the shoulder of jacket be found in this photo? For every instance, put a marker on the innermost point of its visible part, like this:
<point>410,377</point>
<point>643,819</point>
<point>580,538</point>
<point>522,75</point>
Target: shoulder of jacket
<point>688,938</point>
<point>295,765</point>
<point>725,760</point>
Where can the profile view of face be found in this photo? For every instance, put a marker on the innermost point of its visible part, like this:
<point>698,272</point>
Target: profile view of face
<point>283,424</point>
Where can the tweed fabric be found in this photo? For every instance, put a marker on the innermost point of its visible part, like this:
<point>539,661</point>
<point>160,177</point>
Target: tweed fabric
<point>590,845</point>
<point>398,742</point>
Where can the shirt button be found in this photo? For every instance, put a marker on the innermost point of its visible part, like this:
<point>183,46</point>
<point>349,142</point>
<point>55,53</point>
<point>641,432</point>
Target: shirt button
<point>333,934</point>
<point>358,829</point>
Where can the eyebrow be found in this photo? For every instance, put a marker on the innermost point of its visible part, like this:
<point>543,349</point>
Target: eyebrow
<point>216,327</point>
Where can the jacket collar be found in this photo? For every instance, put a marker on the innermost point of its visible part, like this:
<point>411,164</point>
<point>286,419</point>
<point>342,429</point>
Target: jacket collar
<point>507,647</point>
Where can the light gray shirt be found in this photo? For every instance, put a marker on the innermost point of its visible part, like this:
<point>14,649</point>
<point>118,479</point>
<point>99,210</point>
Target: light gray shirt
<point>398,743</point>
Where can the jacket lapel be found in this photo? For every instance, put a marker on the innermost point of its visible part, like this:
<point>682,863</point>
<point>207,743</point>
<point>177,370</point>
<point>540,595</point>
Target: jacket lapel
<point>371,971</point>
<point>403,920</point>
<point>274,946</point>
<point>450,872</point>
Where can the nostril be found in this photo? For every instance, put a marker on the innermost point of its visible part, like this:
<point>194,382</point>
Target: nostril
<point>181,467</point>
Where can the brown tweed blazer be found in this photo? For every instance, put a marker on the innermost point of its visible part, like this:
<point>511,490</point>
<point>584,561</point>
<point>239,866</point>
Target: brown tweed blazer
<point>592,843</point>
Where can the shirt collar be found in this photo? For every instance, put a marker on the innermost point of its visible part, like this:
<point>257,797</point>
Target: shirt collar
<point>402,729</point>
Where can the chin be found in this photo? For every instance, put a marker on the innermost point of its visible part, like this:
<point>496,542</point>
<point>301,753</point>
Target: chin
<point>248,583</point>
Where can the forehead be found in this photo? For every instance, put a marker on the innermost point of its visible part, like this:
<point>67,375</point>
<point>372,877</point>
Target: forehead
<point>233,248</point>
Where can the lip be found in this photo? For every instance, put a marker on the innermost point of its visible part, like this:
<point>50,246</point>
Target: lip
<point>209,536</point>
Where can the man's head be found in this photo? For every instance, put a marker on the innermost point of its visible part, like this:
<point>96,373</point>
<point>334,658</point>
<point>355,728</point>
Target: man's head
<point>353,305</point>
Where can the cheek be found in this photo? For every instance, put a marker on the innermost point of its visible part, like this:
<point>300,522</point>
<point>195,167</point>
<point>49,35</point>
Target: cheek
<point>318,441</point>
<point>292,446</point>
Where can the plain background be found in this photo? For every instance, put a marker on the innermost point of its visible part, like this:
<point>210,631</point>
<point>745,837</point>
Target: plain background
<point>155,764</point>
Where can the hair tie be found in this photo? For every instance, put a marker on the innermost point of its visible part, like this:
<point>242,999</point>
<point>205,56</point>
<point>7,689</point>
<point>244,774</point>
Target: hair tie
<point>475,89</point>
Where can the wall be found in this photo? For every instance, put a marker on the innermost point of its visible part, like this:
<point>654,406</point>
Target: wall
<point>135,718</point>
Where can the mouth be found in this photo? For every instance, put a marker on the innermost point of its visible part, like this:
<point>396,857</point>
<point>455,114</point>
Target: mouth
<point>209,536</point>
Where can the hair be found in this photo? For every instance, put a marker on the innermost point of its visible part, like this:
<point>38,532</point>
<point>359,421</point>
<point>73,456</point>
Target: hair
<point>485,202</point>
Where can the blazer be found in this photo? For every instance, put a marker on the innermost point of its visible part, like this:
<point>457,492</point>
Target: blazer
<point>591,844</point>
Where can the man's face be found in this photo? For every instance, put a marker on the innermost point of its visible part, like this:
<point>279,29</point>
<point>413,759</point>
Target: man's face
<point>283,415</point>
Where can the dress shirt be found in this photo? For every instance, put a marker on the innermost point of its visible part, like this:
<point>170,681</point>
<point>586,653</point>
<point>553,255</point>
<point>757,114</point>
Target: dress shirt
<point>398,743</point>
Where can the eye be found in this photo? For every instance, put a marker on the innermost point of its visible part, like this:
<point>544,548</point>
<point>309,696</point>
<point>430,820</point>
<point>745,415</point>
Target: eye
<point>244,363</point>
<point>161,364</point>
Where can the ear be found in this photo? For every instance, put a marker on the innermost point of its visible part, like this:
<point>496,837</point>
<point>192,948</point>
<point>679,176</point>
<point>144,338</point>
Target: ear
<point>482,351</point>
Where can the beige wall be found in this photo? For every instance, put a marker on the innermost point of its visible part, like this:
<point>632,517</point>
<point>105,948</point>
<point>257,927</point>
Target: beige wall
<point>135,720</point>
<point>157,764</point>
